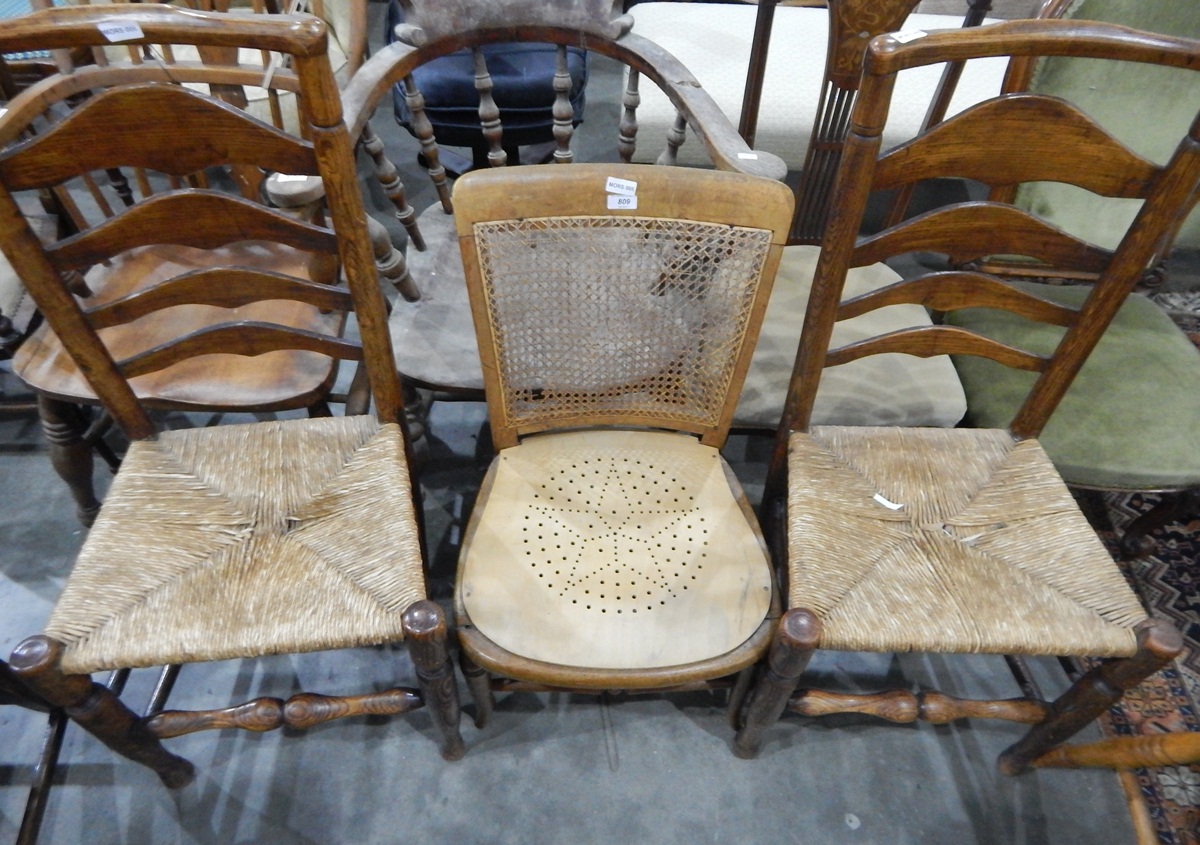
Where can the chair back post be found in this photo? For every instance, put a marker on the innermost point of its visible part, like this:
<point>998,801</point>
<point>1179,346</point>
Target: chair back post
<point>1173,196</point>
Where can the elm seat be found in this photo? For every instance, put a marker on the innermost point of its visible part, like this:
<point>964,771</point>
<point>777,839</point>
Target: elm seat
<point>714,40</point>
<point>1129,421</point>
<point>557,533</point>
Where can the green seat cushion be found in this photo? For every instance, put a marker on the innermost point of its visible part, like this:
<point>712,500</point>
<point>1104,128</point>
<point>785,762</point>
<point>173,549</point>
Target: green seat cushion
<point>1131,419</point>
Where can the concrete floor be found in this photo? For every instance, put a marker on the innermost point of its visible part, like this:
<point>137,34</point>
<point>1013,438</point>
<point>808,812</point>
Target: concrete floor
<point>550,768</point>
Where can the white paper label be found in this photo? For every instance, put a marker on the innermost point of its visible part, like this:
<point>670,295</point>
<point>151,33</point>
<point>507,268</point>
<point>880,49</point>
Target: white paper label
<point>291,177</point>
<point>620,203</point>
<point>752,156</point>
<point>889,505</point>
<point>114,31</point>
<point>624,187</point>
<point>909,35</point>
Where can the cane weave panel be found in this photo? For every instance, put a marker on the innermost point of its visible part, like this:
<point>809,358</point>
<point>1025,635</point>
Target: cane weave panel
<point>614,549</point>
<point>617,316</point>
<point>243,540</point>
<point>987,551</point>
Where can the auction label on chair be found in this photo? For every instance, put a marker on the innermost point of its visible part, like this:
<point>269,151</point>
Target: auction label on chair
<point>119,30</point>
<point>624,187</point>
<point>619,203</point>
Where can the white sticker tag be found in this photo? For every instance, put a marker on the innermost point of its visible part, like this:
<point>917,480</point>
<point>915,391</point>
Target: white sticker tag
<point>116,31</point>
<point>291,177</point>
<point>620,203</point>
<point>624,187</point>
<point>752,156</point>
<point>889,505</point>
<point>909,35</point>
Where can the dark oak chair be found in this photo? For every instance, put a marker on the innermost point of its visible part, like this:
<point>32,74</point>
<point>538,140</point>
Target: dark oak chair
<point>264,538</point>
<point>611,547</point>
<point>965,540</point>
<point>431,325</point>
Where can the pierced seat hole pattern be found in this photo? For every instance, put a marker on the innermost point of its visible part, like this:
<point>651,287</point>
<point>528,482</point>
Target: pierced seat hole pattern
<point>594,546</point>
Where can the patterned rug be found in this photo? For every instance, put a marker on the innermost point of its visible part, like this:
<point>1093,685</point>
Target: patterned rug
<point>1168,582</point>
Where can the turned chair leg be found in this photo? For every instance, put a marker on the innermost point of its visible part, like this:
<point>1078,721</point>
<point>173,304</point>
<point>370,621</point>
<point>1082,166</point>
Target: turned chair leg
<point>480,685</point>
<point>795,641</point>
<point>70,455</point>
<point>1092,694</point>
<point>95,709</point>
<point>426,633</point>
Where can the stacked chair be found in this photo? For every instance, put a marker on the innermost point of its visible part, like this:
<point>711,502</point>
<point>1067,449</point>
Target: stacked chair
<point>967,540</point>
<point>228,541</point>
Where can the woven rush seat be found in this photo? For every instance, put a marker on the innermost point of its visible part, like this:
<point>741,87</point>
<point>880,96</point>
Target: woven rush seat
<point>593,544</point>
<point>962,536</point>
<point>305,541</point>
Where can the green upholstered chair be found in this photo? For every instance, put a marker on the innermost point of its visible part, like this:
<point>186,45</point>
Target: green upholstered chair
<point>1131,420</point>
<point>1146,107</point>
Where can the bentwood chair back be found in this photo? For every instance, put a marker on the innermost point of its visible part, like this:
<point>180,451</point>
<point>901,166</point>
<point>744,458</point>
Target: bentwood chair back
<point>966,540</point>
<point>253,539</point>
<point>610,546</point>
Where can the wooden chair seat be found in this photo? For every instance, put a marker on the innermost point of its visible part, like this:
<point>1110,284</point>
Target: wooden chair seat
<point>961,537</point>
<point>275,380</point>
<point>614,550</point>
<point>305,541</point>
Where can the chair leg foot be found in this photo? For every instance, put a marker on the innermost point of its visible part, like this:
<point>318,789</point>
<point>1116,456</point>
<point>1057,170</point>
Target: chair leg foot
<point>426,632</point>
<point>97,710</point>
<point>480,685</point>
<point>1136,542</point>
<point>1092,694</point>
<point>64,425</point>
<point>796,639</point>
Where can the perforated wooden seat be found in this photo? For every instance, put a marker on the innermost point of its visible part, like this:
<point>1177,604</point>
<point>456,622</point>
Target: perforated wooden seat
<point>610,546</point>
<point>305,540</point>
<point>592,544</point>
<point>945,523</point>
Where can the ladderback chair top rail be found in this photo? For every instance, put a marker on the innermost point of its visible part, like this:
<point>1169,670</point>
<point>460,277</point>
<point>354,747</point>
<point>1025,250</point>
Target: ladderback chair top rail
<point>632,298</point>
<point>1008,140</point>
<point>436,29</point>
<point>116,128</point>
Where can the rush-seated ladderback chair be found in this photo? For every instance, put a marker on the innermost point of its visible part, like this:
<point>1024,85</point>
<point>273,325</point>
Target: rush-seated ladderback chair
<point>966,540</point>
<point>278,382</point>
<point>611,547</point>
<point>225,541</point>
<point>431,325</point>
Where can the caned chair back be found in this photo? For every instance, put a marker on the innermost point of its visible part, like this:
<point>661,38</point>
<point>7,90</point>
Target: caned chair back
<point>633,298</point>
<point>145,115</point>
<point>1003,141</point>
